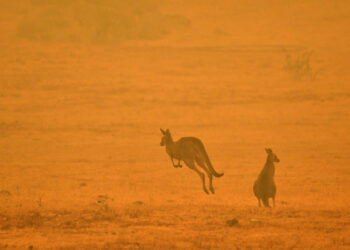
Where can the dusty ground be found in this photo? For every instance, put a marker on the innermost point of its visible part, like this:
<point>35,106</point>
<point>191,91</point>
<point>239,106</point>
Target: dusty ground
<point>81,166</point>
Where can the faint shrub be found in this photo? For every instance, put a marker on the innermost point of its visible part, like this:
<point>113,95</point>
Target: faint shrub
<point>299,66</point>
<point>48,25</point>
<point>134,213</point>
<point>5,227</point>
<point>232,222</point>
<point>70,224</point>
<point>256,222</point>
<point>138,203</point>
<point>109,21</point>
<point>106,215</point>
<point>40,202</point>
<point>102,201</point>
<point>82,184</point>
<point>200,241</point>
<point>104,211</point>
<point>30,219</point>
<point>122,242</point>
<point>5,193</point>
<point>5,222</point>
<point>137,211</point>
<point>24,219</point>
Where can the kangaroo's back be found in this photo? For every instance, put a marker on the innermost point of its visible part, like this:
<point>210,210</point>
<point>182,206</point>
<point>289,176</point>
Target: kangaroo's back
<point>194,147</point>
<point>187,147</point>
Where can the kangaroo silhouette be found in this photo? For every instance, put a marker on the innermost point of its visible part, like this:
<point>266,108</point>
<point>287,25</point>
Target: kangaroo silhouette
<point>190,150</point>
<point>265,187</point>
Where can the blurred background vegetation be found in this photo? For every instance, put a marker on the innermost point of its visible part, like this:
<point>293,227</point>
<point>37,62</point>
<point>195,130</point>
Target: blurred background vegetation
<point>107,21</point>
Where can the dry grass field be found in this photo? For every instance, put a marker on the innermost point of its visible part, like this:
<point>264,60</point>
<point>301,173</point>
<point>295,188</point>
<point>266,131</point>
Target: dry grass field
<point>80,162</point>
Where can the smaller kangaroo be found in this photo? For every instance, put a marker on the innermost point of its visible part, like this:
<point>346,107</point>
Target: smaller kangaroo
<point>265,187</point>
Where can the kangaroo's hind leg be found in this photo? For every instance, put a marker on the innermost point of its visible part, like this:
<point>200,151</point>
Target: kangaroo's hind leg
<point>190,164</point>
<point>178,164</point>
<point>200,162</point>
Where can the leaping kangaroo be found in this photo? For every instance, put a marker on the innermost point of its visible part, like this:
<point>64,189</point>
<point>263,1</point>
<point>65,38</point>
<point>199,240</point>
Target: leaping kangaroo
<point>190,150</point>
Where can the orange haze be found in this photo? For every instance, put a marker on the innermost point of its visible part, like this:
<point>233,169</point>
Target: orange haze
<point>86,85</point>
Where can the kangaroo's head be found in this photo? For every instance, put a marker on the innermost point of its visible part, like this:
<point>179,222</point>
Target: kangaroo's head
<point>166,138</point>
<point>271,156</point>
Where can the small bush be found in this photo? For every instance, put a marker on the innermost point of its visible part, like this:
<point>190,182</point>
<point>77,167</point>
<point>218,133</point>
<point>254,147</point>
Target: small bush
<point>299,66</point>
<point>107,21</point>
<point>29,219</point>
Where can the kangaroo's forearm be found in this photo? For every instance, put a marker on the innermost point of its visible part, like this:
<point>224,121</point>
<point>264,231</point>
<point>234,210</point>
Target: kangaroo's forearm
<point>174,154</point>
<point>178,164</point>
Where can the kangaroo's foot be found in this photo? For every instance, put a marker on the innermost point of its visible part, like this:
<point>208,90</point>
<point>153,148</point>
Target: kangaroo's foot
<point>212,189</point>
<point>205,190</point>
<point>178,166</point>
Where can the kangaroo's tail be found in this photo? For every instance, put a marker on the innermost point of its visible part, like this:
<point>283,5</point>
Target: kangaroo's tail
<point>265,200</point>
<point>210,166</point>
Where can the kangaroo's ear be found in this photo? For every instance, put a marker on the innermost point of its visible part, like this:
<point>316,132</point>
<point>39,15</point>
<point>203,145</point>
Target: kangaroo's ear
<point>268,150</point>
<point>163,132</point>
<point>167,131</point>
